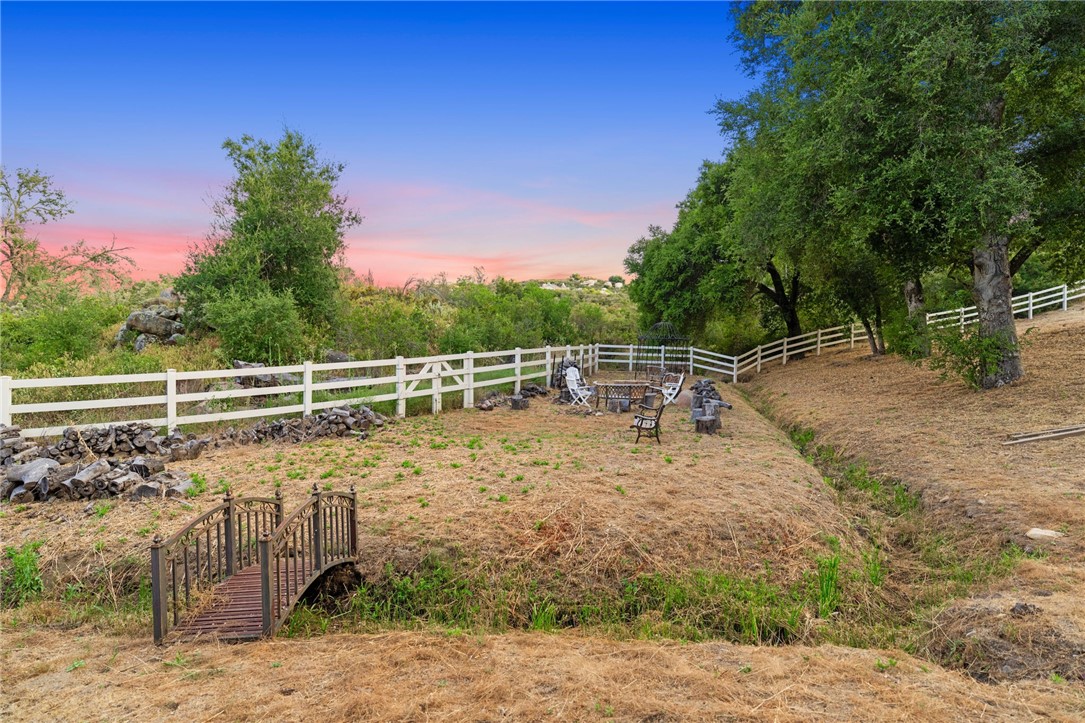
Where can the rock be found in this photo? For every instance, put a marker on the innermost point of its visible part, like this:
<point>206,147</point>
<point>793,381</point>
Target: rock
<point>31,472</point>
<point>485,406</point>
<point>150,323</point>
<point>145,490</point>
<point>331,356</point>
<point>168,296</point>
<point>179,490</point>
<point>1037,533</point>
<point>21,495</point>
<point>175,339</point>
<point>1022,608</point>
<point>684,399</point>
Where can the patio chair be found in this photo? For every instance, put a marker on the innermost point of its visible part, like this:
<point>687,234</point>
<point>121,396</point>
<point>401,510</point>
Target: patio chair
<point>646,422</point>
<point>579,392</point>
<point>669,388</point>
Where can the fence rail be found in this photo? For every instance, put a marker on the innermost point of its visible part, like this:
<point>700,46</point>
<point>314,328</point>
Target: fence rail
<point>301,387</point>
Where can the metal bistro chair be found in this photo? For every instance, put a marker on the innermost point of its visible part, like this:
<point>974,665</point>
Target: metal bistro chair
<point>579,392</point>
<point>646,422</point>
<point>670,389</point>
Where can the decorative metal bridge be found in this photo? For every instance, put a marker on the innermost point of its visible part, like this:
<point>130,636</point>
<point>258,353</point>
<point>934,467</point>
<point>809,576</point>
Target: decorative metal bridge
<point>236,571</point>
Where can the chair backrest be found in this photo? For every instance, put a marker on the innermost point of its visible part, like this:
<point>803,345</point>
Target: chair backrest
<point>572,378</point>
<point>672,388</point>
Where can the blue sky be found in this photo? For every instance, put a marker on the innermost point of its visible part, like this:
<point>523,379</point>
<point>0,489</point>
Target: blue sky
<point>533,139</point>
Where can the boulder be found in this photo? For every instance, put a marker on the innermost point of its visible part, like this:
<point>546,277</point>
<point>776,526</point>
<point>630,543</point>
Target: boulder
<point>148,322</point>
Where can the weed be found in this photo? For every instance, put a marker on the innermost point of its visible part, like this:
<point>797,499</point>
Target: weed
<point>620,489</point>
<point>1056,679</point>
<point>333,472</point>
<point>455,465</point>
<point>544,616</point>
<point>76,665</point>
<point>518,478</point>
<point>874,567</point>
<point>483,489</point>
<point>422,502</point>
<point>21,581</point>
<point>222,488</point>
<point>101,509</point>
<point>198,487</point>
<point>474,443</point>
<point>501,474</point>
<point>828,585</point>
<point>884,665</point>
<point>667,458</point>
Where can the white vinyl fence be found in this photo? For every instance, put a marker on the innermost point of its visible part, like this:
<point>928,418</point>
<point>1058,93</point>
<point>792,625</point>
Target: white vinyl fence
<point>303,388</point>
<point>321,386</point>
<point>1027,304</point>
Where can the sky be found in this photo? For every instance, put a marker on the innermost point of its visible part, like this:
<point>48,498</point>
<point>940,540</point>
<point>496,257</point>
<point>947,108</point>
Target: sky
<point>534,140</point>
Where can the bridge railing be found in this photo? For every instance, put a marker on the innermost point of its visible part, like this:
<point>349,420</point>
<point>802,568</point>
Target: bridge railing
<point>219,543</point>
<point>318,535</point>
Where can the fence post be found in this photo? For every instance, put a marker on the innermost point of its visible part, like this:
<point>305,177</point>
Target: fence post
<point>158,594</point>
<point>265,582</point>
<point>278,506</point>
<point>318,531</point>
<point>5,396</point>
<point>819,344</point>
<point>734,370</point>
<point>549,366</point>
<point>785,350</point>
<point>1065,296</point>
<point>1030,295</point>
<point>307,392</point>
<point>759,347</point>
<point>353,532</point>
<point>962,318</point>
<point>435,386</point>
<point>519,371</point>
<point>401,388</point>
<point>469,380</point>
<point>171,399</point>
<point>231,534</point>
<point>851,332</point>
<point>691,360</point>
<point>630,357</point>
<point>663,358</point>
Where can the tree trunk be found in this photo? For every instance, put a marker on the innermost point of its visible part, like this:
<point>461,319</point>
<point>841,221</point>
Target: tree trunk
<point>787,303</point>
<point>870,337</point>
<point>917,314</point>
<point>993,293</point>
<point>878,335</point>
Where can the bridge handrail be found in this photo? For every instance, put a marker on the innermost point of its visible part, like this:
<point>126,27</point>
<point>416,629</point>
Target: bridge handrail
<point>181,565</point>
<point>321,533</point>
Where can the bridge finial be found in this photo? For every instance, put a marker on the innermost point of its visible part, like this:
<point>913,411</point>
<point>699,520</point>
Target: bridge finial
<point>316,490</point>
<point>278,493</point>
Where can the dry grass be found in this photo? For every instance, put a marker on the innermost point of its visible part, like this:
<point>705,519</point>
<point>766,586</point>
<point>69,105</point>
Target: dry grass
<point>944,442</point>
<point>515,676</point>
<point>587,507</point>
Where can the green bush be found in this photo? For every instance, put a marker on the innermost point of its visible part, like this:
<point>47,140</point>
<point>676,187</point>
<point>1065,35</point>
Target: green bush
<point>75,328</point>
<point>262,326</point>
<point>966,354</point>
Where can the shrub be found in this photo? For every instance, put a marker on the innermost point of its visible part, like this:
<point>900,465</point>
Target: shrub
<point>967,354</point>
<point>261,327</point>
<point>73,328</point>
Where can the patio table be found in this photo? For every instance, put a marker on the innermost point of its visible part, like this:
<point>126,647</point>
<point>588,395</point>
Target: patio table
<point>620,389</point>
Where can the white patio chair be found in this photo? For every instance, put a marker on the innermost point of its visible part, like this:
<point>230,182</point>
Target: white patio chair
<point>670,389</point>
<point>579,392</point>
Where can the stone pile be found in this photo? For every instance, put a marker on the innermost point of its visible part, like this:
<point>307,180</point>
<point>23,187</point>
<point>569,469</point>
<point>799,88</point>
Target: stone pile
<point>336,422</point>
<point>257,381</point>
<point>156,323</point>
<point>13,448</point>
<point>516,401</point>
<point>117,440</point>
<point>43,479</point>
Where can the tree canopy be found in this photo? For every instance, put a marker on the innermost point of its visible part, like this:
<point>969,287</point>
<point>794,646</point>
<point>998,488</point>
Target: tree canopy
<point>887,141</point>
<point>278,228</point>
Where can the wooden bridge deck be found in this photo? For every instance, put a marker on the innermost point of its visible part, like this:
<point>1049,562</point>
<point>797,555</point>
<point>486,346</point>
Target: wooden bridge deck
<point>235,611</point>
